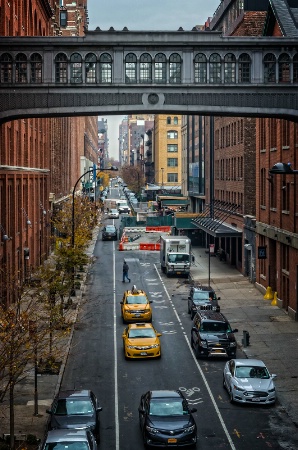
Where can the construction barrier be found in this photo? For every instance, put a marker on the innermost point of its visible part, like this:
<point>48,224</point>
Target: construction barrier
<point>165,229</point>
<point>149,246</point>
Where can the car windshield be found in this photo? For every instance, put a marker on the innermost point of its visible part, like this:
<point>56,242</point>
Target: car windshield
<point>251,372</point>
<point>141,333</point>
<point>70,407</point>
<point>67,445</point>
<point>168,407</point>
<point>201,296</point>
<point>215,327</point>
<point>178,257</point>
<point>110,228</point>
<point>136,299</point>
<point>113,211</point>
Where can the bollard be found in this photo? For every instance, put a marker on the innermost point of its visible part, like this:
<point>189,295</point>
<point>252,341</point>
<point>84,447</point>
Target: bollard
<point>246,337</point>
<point>274,301</point>
<point>269,294</point>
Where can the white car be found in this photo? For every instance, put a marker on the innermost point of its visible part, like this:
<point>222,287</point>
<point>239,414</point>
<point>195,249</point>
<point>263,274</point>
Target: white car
<point>113,214</point>
<point>249,381</point>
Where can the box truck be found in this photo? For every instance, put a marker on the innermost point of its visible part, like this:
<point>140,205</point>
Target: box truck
<point>175,255</point>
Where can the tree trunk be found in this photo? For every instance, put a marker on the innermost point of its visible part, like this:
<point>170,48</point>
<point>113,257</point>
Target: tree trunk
<point>11,415</point>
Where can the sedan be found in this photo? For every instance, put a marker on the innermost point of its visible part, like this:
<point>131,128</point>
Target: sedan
<point>69,440</point>
<point>113,214</point>
<point>109,233</point>
<point>141,340</point>
<point>166,420</point>
<point>249,381</point>
<point>75,410</point>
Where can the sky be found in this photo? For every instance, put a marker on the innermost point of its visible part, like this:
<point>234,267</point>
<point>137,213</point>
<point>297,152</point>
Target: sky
<point>142,15</point>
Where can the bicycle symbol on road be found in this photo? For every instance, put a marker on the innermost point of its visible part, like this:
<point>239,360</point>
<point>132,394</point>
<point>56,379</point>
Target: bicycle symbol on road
<point>191,395</point>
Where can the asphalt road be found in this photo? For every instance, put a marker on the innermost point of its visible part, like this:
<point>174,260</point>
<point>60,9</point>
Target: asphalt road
<point>97,362</point>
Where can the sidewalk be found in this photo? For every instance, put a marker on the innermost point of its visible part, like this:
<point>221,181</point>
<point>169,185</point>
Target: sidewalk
<point>273,335</point>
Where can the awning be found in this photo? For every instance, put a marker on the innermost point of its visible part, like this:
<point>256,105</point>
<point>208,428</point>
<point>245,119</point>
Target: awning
<point>165,200</point>
<point>216,229</point>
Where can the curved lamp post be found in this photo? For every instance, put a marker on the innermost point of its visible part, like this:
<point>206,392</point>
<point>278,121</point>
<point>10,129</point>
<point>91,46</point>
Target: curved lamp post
<point>112,168</point>
<point>282,169</point>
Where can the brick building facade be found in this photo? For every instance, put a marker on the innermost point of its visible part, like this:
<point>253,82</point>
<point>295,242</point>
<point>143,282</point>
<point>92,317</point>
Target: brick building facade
<point>39,157</point>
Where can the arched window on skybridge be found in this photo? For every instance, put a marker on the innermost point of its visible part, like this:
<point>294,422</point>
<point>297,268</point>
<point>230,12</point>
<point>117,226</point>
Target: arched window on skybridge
<point>244,68</point>
<point>130,68</point>
<point>284,68</point>
<point>269,68</point>
<point>21,68</point>
<point>105,68</point>
<point>5,68</point>
<point>160,68</point>
<point>90,68</point>
<point>200,68</point>
<point>76,75</point>
<point>145,68</point>
<point>230,68</point>
<point>61,68</point>
<point>36,68</point>
<point>295,68</point>
<point>214,68</point>
<point>175,68</point>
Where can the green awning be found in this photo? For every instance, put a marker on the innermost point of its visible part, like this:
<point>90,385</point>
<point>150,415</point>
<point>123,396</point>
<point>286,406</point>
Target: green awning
<point>175,202</point>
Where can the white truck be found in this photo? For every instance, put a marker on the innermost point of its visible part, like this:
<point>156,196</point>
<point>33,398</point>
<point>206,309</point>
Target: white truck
<point>175,255</point>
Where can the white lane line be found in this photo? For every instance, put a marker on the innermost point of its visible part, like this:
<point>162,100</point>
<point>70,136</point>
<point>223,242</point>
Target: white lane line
<point>199,368</point>
<point>115,354</point>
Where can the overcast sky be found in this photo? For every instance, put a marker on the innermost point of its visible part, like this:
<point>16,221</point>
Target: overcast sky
<point>146,15</point>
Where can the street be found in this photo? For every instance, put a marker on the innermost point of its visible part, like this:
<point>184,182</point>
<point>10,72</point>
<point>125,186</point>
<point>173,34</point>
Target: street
<point>97,362</point>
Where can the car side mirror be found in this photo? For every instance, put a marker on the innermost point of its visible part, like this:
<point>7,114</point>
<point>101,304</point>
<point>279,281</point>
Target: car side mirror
<point>193,259</point>
<point>158,334</point>
<point>218,298</point>
<point>236,330</point>
<point>188,298</point>
<point>99,409</point>
<point>150,301</point>
<point>273,375</point>
<point>49,411</point>
<point>193,410</point>
<point>121,303</point>
<point>141,411</point>
<point>194,329</point>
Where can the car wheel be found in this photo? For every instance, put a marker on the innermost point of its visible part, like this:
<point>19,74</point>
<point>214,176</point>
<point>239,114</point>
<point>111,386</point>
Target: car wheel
<point>145,439</point>
<point>189,310</point>
<point>123,320</point>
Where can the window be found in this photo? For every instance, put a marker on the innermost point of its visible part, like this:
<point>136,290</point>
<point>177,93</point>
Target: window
<point>90,68</point>
<point>172,134</point>
<point>263,192</point>
<point>175,120</point>
<point>172,162</point>
<point>285,196</point>
<point>200,68</point>
<point>175,68</point>
<point>230,68</point>
<point>284,68</point>
<point>105,68</point>
<point>76,68</point>
<point>145,68</point>
<point>36,68</point>
<point>168,120</point>
<point>244,68</point>
<point>172,148</point>
<point>295,68</point>
<point>131,68</point>
<point>214,68</point>
<point>285,124</point>
<point>63,19</point>
<point>6,68</point>
<point>21,68</point>
<point>172,177</point>
<point>61,68</point>
<point>160,68</point>
<point>269,68</point>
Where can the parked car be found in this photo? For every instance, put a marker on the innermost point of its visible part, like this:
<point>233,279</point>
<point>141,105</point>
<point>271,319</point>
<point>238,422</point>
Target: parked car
<point>135,306</point>
<point>69,439</point>
<point>212,335</point>
<point>109,233</point>
<point>249,381</point>
<point>113,214</point>
<point>75,410</point>
<point>166,420</point>
<point>202,298</point>
<point>141,340</point>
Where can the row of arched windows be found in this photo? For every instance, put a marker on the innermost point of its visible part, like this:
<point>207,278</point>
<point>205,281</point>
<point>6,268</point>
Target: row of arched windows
<point>213,69</point>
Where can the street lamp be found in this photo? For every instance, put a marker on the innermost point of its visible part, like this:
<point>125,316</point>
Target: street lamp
<point>282,169</point>
<point>112,168</point>
<point>162,169</point>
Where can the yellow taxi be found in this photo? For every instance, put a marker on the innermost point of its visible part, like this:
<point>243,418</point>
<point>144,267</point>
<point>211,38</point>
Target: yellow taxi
<point>141,340</point>
<point>135,306</point>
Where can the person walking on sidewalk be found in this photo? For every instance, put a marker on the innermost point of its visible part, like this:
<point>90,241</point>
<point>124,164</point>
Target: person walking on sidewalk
<point>125,271</point>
